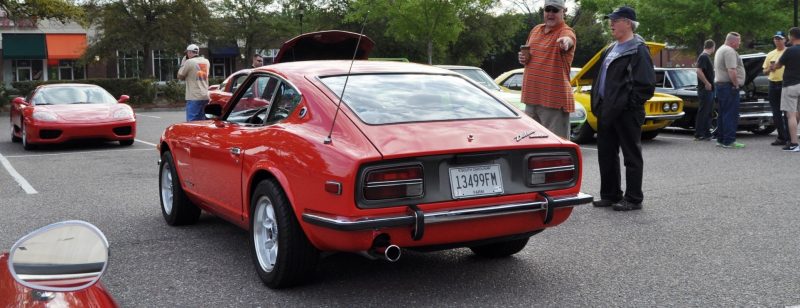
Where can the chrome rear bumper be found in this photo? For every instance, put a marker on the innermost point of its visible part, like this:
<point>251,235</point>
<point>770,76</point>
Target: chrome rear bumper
<point>434,217</point>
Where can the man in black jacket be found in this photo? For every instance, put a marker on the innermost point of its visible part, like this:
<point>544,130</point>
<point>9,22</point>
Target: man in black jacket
<point>625,81</point>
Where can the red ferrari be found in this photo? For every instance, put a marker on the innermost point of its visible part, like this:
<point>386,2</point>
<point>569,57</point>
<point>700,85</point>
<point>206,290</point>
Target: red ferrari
<point>60,112</point>
<point>373,159</point>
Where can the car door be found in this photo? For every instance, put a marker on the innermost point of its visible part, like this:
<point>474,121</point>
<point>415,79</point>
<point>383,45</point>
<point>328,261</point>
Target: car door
<point>218,149</point>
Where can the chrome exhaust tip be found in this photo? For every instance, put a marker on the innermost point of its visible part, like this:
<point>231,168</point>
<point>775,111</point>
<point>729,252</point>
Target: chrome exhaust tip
<point>392,253</point>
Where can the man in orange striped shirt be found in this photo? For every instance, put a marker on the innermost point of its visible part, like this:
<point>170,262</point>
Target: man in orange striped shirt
<point>546,91</point>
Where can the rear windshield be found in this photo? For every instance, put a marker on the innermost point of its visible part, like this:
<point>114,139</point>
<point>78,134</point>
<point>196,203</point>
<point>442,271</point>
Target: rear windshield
<point>73,95</point>
<point>399,98</point>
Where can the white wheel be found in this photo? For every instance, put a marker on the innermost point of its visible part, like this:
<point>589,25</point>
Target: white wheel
<point>265,234</point>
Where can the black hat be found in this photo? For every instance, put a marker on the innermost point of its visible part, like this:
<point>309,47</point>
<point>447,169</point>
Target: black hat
<point>622,12</point>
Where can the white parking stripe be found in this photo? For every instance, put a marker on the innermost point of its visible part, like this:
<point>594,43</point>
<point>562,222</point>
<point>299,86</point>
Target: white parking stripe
<point>145,142</point>
<point>74,153</point>
<point>149,116</point>
<point>677,138</point>
<point>585,148</point>
<point>17,177</point>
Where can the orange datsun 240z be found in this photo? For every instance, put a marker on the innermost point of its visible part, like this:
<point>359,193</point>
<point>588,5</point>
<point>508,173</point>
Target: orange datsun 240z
<point>375,158</point>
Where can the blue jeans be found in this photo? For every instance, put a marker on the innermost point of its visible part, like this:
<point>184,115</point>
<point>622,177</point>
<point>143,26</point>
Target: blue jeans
<point>702,122</point>
<point>728,120</point>
<point>194,110</point>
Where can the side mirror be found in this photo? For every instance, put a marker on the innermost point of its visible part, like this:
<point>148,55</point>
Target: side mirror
<point>62,257</point>
<point>19,100</point>
<point>213,111</point>
<point>123,98</point>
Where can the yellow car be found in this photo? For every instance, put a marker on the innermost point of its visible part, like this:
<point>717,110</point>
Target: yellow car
<point>660,111</point>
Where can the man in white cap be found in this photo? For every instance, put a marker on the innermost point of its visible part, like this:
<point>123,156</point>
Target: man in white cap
<point>547,57</point>
<point>194,70</point>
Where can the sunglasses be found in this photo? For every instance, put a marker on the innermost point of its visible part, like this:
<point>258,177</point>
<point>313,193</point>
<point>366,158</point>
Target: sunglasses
<point>552,9</point>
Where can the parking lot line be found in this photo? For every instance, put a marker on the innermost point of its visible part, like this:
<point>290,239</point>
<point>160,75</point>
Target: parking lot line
<point>677,138</point>
<point>17,177</point>
<point>585,148</point>
<point>145,142</point>
<point>74,153</point>
<point>149,116</point>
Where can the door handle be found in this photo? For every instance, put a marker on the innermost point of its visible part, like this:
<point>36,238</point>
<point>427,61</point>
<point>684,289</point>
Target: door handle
<point>236,151</point>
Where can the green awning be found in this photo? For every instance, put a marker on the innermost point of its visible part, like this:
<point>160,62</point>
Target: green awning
<point>24,46</point>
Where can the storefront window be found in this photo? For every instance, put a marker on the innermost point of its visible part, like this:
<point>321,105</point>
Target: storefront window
<point>221,67</point>
<point>166,65</point>
<point>129,64</point>
<point>25,70</point>
<point>67,70</point>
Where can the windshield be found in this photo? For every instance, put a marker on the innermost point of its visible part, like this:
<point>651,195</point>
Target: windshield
<point>683,78</point>
<point>72,95</point>
<point>399,98</point>
<point>479,76</point>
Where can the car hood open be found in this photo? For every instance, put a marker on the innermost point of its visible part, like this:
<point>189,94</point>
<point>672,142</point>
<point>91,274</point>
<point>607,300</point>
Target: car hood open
<point>587,73</point>
<point>753,66</point>
<point>325,45</point>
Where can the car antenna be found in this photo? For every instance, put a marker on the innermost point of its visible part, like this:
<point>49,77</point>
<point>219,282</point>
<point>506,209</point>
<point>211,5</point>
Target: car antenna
<point>328,139</point>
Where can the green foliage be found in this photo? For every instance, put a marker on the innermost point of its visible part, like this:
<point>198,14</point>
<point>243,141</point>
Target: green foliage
<point>44,9</point>
<point>690,22</point>
<point>426,24</point>
<point>141,91</point>
<point>167,25</point>
<point>485,35</point>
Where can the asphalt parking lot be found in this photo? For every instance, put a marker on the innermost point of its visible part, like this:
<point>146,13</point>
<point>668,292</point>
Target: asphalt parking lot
<point>719,228</point>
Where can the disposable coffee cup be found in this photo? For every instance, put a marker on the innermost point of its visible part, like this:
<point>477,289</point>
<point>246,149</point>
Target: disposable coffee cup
<point>525,48</point>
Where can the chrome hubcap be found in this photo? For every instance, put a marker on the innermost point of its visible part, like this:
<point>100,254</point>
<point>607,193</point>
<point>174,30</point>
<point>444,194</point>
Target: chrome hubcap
<point>166,188</point>
<point>265,234</point>
<point>24,135</point>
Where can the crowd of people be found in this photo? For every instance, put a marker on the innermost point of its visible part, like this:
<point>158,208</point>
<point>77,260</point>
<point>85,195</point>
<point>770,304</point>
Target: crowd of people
<point>626,80</point>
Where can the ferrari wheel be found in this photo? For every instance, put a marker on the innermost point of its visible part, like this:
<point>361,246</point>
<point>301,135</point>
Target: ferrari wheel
<point>13,137</point>
<point>126,142</point>
<point>25,144</point>
<point>282,254</point>
<point>175,206</point>
<point>500,249</point>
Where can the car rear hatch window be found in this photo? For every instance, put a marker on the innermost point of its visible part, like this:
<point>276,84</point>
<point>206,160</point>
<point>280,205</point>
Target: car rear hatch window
<point>402,98</point>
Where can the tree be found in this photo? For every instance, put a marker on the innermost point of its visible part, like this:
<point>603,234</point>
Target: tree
<point>433,24</point>
<point>485,36</point>
<point>247,21</point>
<point>690,22</point>
<point>61,10</point>
<point>147,25</point>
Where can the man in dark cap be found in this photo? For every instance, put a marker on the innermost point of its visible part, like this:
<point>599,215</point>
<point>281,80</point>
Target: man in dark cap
<point>625,81</point>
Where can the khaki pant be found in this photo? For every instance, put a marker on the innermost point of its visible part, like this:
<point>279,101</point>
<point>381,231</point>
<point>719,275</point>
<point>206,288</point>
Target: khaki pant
<point>555,120</point>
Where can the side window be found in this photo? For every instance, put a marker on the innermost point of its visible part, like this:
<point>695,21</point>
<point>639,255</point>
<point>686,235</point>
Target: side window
<point>251,108</point>
<point>667,82</point>
<point>286,100</point>
<point>236,82</point>
<point>514,82</point>
<point>659,79</point>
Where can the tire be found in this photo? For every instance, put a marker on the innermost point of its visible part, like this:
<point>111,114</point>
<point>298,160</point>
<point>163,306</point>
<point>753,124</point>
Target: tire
<point>126,142</point>
<point>500,249</point>
<point>14,138</point>
<point>25,144</point>
<point>714,122</point>
<point>650,135</point>
<point>273,225</point>
<point>763,130</point>
<point>175,206</point>
<point>584,134</point>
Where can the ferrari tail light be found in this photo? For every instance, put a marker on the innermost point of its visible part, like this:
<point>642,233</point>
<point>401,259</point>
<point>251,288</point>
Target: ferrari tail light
<point>393,183</point>
<point>551,169</point>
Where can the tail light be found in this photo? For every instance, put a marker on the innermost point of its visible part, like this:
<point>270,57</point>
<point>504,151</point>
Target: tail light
<point>393,183</point>
<point>551,169</point>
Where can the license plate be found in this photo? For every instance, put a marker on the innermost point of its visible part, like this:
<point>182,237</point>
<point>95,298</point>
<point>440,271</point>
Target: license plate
<point>475,181</point>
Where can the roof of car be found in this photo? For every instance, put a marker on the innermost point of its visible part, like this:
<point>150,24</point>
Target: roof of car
<point>341,67</point>
<point>67,85</point>
<point>459,67</point>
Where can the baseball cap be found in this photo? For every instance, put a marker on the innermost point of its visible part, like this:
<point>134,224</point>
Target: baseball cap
<point>779,34</point>
<point>557,3</point>
<point>193,47</point>
<point>622,12</point>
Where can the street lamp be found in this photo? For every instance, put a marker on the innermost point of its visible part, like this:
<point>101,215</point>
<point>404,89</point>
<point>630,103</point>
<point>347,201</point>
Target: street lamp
<point>301,10</point>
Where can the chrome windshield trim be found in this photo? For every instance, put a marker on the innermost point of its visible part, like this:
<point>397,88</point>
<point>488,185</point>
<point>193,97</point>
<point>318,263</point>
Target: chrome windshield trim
<point>433,217</point>
<point>665,116</point>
